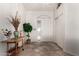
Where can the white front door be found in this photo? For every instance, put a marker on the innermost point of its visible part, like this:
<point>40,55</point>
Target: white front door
<point>44,30</point>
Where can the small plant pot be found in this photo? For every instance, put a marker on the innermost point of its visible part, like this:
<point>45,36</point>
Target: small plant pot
<point>28,41</point>
<point>16,34</point>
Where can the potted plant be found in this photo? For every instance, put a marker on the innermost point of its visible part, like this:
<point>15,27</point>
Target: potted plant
<point>15,21</point>
<point>27,28</point>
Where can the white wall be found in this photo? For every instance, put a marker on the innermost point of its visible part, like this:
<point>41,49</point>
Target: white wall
<point>8,10</point>
<point>67,28</point>
<point>59,26</point>
<point>72,29</point>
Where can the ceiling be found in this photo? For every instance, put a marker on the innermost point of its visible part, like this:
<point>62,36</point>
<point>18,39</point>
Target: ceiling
<point>39,6</point>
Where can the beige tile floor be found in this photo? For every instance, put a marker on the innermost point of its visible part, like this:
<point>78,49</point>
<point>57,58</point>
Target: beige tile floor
<point>42,49</point>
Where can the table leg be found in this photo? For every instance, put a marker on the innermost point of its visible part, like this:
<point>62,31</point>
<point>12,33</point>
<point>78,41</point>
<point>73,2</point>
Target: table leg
<point>7,50</point>
<point>22,45</point>
<point>16,48</point>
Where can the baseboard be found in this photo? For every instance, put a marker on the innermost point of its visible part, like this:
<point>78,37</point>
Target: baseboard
<point>59,46</point>
<point>68,54</point>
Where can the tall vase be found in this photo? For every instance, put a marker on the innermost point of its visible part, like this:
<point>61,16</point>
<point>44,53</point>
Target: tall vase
<point>16,34</point>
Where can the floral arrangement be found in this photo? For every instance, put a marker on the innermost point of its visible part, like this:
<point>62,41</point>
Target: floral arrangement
<point>6,32</point>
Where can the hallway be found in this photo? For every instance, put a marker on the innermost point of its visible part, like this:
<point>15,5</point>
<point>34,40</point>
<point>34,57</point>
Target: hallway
<point>42,49</point>
<point>51,22</point>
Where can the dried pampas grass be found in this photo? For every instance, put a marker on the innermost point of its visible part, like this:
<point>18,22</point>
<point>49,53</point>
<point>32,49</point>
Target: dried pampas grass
<point>15,21</point>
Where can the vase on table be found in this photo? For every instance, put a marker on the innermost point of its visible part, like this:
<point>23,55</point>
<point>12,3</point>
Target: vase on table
<point>16,34</point>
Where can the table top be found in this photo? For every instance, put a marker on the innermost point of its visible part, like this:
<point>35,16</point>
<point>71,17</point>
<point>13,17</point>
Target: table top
<point>13,40</point>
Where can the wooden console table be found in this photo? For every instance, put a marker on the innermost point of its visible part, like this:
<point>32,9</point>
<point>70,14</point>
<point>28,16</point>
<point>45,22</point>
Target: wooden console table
<point>16,49</point>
